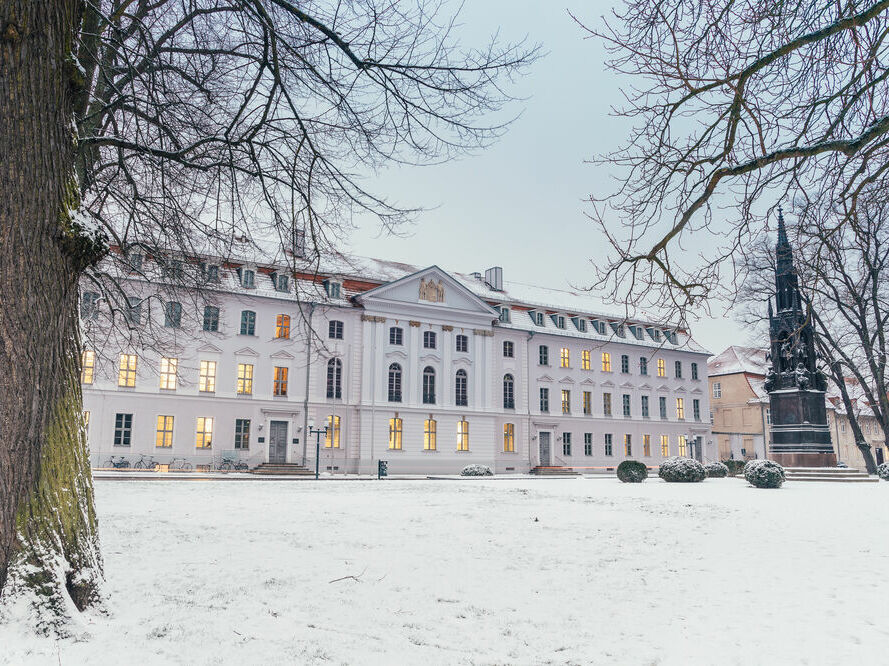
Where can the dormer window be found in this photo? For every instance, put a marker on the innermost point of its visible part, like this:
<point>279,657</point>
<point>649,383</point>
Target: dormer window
<point>134,259</point>
<point>558,320</point>
<point>671,336</point>
<point>536,317</point>
<point>636,331</point>
<point>333,288</point>
<point>654,334</point>
<point>212,274</point>
<point>618,329</point>
<point>281,282</point>
<point>504,314</point>
<point>598,326</point>
<point>247,278</point>
<point>172,269</point>
<point>579,324</point>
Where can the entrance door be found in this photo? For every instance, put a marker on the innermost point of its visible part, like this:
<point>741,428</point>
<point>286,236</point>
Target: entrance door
<point>545,449</point>
<point>278,442</point>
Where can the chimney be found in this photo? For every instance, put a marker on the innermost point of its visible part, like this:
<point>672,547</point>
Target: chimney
<point>494,278</point>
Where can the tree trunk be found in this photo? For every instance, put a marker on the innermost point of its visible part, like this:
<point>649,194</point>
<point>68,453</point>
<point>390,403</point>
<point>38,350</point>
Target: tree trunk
<point>48,542</point>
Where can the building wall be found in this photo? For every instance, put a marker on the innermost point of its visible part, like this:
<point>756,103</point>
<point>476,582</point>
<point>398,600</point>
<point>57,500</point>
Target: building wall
<point>844,440</point>
<point>738,417</point>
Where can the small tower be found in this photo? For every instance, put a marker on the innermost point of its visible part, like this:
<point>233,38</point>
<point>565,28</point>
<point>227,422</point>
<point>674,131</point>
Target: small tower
<point>796,387</point>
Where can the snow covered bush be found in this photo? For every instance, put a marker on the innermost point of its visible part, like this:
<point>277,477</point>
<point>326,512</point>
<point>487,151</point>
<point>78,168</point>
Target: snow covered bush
<point>632,471</point>
<point>716,470</point>
<point>476,470</point>
<point>681,470</point>
<point>883,471</point>
<point>735,467</point>
<point>764,473</point>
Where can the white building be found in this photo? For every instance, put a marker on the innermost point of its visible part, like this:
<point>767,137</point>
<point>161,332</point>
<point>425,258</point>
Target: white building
<point>426,369</point>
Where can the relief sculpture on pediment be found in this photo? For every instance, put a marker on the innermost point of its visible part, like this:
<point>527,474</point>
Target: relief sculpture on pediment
<point>431,290</point>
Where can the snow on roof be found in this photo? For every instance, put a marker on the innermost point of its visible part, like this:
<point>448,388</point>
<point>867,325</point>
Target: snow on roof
<point>735,360</point>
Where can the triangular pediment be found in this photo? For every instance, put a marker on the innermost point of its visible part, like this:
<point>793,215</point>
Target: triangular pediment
<point>627,385</point>
<point>282,355</point>
<point>209,349</point>
<point>587,382</point>
<point>697,390</point>
<point>663,387</point>
<point>544,378</point>
<point>608,383</point>
<point>645,387</point>
<point>246,351</point>
<point>680,389</point>
<point>566,380</point>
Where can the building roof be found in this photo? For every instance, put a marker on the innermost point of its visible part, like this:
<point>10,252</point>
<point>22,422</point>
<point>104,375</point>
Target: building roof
<point>735,360</point>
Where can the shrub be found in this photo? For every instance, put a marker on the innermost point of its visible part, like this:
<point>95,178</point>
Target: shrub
<point>883,471</point>
<point>476,470</point>
<point>735,467</point>
<point>764,473</point>
<point>632,471</point>
<point>716,470</point>
<point>681,470</point>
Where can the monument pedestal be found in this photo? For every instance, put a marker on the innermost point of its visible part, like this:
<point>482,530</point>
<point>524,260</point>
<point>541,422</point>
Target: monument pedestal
<point>800,434</point>
<point>804,459</point>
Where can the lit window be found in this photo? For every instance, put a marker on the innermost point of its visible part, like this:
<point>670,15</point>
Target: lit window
<point>628,445</point>
<point>565,357</point>
<point>396,336</point>
<point>428,385</point>
<point>626,404</point>
<point>508,349</point>
<point>680,408</point>
<point>173,315</point>
<point>566,444</point>
<point>606,404</point>
<point>462,435</point>
<point>508,392</point>
<point>282,326</point>
<point>245,379</point>
<point>462,343</point>
<point>332,438</point>
<point>544,400</point>
<point>395,427</point>
<point>430,428</point>
<point>334,378</point>
<point>126,374</point>
<point>643,366</point>
<point>587,443</point>
<point>242,433</point>
<point>566,401</point>
<point>585,359</point>
<point>429,340</point>
<point>248,322</point>
<point>624,364</point>
<point>164,437</point>
<point>717,390</point>
<point>335,330</point>
<point>587,402</point>
<point>461,382</point>
<point>606,362</point>
<point>207,377</point>
<point>395,383</point>
<point>508,438</point>
<point>123,429</point>
<point>661,368</point>
<point>543,355</point>
<point>88,369</point>
<point>169,368</point>
<point>204,432</point>
<point>609,444</point>
<point>211,318</point>
<point>646,446</point>
<point>665,446</point>
<point>280,382</point>
<point>682,446</point>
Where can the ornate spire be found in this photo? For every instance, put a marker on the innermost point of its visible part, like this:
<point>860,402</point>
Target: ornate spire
<point>785,273</point>
<point>782,232</point>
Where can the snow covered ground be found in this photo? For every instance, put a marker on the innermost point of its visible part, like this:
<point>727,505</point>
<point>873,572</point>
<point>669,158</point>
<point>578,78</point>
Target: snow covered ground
<point>483,571</point>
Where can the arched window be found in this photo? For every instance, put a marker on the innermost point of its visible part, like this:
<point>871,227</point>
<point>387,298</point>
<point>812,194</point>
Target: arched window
<point>508,392</point>
<point>334,378</point>
<point>429,385</point>
<point>460,389</point>
<point>395,383</point>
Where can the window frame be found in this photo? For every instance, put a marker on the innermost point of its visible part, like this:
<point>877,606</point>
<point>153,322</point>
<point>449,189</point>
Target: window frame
<point>280,379</point>
<point>394,382</point>
<point>396,336</point>
<point>248,322</point>
<point>335,329</point>
<point>461,388</point>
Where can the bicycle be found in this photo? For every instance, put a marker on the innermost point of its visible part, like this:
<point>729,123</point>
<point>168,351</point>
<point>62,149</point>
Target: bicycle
<point>233,466</point>
<point>145,462</point>
<point>120,463</point>
<point>183,464</point>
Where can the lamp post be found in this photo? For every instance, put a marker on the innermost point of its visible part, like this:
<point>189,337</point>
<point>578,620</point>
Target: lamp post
<point>317,432</point>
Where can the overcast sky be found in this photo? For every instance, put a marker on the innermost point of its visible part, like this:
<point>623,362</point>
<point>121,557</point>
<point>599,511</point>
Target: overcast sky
<point>520,204</point>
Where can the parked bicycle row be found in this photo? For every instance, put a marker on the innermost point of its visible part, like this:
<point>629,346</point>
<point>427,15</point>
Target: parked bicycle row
<point>148,463</point>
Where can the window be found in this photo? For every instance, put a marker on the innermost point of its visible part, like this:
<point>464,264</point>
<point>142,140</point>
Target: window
<point>282,326</point>
<point>509,438</point>
<point>508,392</point>
<point>89,305</point>
<point>587,443</point>
<point>536,317</point>
<point>683,446</point>
<point>207,377</point>
<point>396,336</point>
<point>624,364</point>
<point>430,430</point>
<point>333,288</point>
<point>643,366</point>
<point>565,357</point>
<point>135,261</point>
<point>504,314</point>
<point>88,366</point>
<point>281,281</point>
<point>665,446</point>
<point>462,343</point>
<point>585,359</point>
<point>544,400</point>
<point>212,274</point>
<point>625,398</point>
<point>559,320</point>
<point>587,402</point>
<point>609,444</point>
<point>279,387</point>
<point>429,385</point>
<point>566,401</point>
<point>680,408</point>
<point>123,429</point>
<point>245,379</point>
<point>606,362</point>
<point>566,444</point>
<point>661,368</point>
<point>332,437</point>
<point>242,433</point>
<point>395,383</point>
<point>164,436</point>
<point>462,435</point>
<point>717,390</point>
<point>662,405</point>
<point>204,432</point>
<point>248,278</point>
<point>169,368</point>
<point>645,413</point>
<point>694,370</point>
<point>335,378</point>
<point>461,382</point>
<point>126,374</point>
<point>395,427</point>
<point>579,324</point>
<point>133,313</point>
<point>248,322</point>
<point>508,349</point>
<point>678,369</point>
<point>606,404</point>
<point>696,409</point>
<point>172,269</point>
<point>543,355</point>
<point>173,314</point>
<point>428,339</point>
<point>646,446</point>
<point>211,318</point>
<point>335,330</point>
<point>628,445</point>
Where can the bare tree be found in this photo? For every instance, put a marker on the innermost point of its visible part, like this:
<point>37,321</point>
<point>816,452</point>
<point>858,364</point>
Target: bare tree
<point>177,129</point>
<point>736,105</point>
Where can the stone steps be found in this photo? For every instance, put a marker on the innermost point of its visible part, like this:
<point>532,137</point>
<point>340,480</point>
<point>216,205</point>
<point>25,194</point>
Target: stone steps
<point>554,471</point>
<point>286,469</point>
<point>834,474</point>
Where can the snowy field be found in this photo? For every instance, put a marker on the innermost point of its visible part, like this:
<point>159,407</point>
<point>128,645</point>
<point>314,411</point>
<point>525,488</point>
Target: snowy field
<point>554,571</point>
